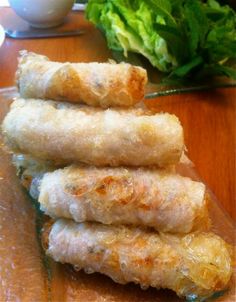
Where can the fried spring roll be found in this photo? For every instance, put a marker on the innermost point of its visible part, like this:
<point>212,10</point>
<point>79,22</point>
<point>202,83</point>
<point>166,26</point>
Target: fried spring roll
<point>66,133</point>
<point>95,84</point>
<point>194,265</point>
<point>155,198</point>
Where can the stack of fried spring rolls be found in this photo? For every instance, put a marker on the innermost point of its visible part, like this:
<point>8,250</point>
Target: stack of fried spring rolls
<point>112,216</point>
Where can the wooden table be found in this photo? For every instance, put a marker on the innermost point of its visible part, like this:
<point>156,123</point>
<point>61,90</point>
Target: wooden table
<point>208,118</point>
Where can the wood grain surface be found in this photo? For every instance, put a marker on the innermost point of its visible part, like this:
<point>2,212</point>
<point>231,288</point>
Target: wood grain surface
<point>208,118</point>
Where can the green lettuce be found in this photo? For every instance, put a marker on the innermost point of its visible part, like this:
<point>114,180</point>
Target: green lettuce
<point>185,38</point>
<point>129,26</point>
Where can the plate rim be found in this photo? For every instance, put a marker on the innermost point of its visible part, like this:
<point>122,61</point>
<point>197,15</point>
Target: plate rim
<point>2,35</point>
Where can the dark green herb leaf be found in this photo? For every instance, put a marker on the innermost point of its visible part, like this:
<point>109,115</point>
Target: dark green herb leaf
<point>185,69</point>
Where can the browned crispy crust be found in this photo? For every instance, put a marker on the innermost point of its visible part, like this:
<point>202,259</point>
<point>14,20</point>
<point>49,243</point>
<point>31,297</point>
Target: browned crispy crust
<point>136,84</point>
<point>45,233</point>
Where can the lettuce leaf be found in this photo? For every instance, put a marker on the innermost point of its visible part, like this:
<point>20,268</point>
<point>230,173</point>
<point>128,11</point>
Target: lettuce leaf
<point>184,38</point>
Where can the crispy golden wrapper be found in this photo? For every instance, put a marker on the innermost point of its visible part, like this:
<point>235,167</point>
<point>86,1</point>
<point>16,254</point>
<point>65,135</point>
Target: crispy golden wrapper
<point>151,197</point>
<point>95,84</point>
<point>66,133</point>
<point>197,264</point>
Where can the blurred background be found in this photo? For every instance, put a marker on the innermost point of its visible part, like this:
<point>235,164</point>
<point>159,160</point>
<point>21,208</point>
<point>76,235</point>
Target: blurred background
<point>230,2</point>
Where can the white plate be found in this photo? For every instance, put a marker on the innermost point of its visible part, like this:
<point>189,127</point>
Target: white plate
<point>79,6</point>
<point>2,35</point>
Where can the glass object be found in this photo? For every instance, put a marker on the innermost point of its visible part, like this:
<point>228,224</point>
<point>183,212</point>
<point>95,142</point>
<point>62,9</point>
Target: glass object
<point>28,275</point>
